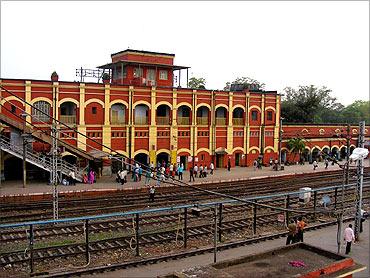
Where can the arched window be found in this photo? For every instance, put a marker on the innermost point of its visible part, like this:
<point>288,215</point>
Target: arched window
<point>141,114</point>
<point>41,107</point>
<point>117,114</point>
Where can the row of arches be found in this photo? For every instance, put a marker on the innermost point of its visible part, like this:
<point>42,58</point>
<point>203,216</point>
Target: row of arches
<point>319,153</point>
<point>69,112</point>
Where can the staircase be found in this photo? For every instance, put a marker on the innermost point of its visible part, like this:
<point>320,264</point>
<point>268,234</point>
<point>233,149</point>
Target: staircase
<point>39,160</point>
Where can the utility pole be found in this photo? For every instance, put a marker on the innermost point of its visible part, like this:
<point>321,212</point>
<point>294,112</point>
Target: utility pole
<point>360,177</point>
<point>54,160</point>
<point>280,139</point>
<point>24,143</point>
<point>348,141</point>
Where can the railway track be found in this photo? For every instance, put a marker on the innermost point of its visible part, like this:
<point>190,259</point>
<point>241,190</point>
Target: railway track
<point>150,235</point>
<point>165,197</point>
<point>120,224</point>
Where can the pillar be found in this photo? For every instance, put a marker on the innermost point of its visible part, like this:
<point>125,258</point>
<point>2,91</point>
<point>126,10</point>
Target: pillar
<point>81,140</point>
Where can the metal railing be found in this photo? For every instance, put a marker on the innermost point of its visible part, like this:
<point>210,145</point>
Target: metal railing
<point>238,121</point>
<point>220,121</point>
<point>40,160</point>
<point>183,120</point>
<point>68,119</point>
<point>141,120</point>
<point>116,120</point>
<point>163,120</point>
<point>202,120</point>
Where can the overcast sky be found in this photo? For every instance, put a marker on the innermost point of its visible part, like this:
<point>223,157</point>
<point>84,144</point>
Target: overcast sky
<point>278,43</point>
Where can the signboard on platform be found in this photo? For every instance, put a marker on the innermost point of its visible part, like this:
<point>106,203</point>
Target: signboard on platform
<point>190,158</point>
<point>196,159</point>
<point>178,159</point>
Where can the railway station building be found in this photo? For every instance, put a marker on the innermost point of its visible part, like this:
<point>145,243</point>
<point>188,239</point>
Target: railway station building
<point>140,113</point>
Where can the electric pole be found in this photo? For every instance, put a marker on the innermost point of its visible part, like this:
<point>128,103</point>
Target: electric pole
<point>54,159</point>
<point>360,176</point>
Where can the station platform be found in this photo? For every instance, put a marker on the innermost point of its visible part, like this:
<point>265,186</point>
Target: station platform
<point>107,183</point>
<point>323,238</point>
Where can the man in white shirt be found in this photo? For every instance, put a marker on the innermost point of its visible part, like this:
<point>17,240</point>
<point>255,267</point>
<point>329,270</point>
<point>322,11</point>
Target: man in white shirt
<point>122,176</point>
<point>72,178</point>
<point>212,167</point>
<point>195,170</point>
<point>349,237</point>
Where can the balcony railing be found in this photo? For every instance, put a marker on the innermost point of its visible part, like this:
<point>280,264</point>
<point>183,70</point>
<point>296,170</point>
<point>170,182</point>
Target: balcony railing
<point>238,121</point>
<point>202,120</point>
<point>141,120</point>
<point>163,120</point>
<point>220,121</point>
<point>183,120</point>
<point>117,120</point>
<point>68,119</point>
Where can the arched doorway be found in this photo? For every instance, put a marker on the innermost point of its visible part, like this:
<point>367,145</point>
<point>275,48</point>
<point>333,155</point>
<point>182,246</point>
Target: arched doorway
<point>141,114</point>
<point>343,152</point>
<point>142,158</point>
<point>203,115</point>
<point>306,155</point>
<point>335,153</point>
<point>163,114</point>
<point>221,116</point>
<point>163,157</point>
<point>183,115</point>
<point>315,154</point>
<point>238,116</point>
<point>68,112</point>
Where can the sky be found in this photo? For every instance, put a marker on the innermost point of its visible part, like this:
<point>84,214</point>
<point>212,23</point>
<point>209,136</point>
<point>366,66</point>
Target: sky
<point>278,43</point>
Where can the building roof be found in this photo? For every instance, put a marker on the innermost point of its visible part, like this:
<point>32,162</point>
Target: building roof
<point>142,52</point>
<point>129,62</point>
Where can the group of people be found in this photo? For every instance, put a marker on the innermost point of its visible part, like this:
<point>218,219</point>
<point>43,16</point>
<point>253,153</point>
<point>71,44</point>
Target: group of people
<point>203,171</point>
<point>87,178</point>
<point>295,230</point>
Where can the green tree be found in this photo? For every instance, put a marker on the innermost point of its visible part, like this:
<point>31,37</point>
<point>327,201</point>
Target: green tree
<point>356,112</point>
<point>309,104</point>
<point>197,83</point>
<point>296,145</point>
<point>245,81</point>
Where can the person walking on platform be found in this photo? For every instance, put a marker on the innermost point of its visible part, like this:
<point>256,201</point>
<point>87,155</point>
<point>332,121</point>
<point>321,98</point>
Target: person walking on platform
<point>148,175</point>
<point>201,171</point>
<point>196,170</point>
<point>300,227</point>
<point>228,165</point>
<point>326,163</point>
<point>292,232</point>
<point>122,176</point>
<point>181,169</point>
<point>212,167</point>
<point>255,164</point>
<point>171,171</point>
<point>151,193</point>
<point>191,174</point>
<point>349,237</point>
<point>314,165</point>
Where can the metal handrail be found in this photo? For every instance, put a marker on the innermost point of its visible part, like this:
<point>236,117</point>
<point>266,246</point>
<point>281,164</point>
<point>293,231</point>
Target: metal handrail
<point>202,120</point>
<point>183,120</point>
<point>42,160</point>
<point>163,120</point>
